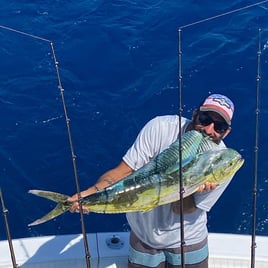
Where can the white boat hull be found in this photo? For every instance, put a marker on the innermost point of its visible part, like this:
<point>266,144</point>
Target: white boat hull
<point>110,250</point>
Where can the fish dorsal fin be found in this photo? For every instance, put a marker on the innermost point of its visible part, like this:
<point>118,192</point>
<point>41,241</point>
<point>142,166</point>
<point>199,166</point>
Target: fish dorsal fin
<point>191,141</point>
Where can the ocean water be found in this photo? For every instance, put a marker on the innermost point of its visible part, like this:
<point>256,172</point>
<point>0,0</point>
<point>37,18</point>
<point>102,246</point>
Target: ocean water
<point>118,62</point>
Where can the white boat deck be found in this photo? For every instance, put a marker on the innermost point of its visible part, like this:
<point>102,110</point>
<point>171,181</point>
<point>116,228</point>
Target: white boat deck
<point>111,249</point>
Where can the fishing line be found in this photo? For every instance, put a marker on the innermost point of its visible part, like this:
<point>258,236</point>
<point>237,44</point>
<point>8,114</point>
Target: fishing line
<point>223,14</point>
<point>11,249</point>
<point>256,149</point>
<point>67,119</point>
<point>180,79</point>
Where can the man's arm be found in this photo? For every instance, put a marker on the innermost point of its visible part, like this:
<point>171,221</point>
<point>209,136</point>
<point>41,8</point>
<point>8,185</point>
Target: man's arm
<point>108,178</point>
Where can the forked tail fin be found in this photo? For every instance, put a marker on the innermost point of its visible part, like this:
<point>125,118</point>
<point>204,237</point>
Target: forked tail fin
<point>62,206</point>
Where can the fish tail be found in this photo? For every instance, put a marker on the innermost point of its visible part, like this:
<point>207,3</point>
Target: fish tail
<point>62,206</point>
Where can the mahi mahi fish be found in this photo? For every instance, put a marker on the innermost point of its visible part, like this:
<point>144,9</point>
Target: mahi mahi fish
<point>157,182</point>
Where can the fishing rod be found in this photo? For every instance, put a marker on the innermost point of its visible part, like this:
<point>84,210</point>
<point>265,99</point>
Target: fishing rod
<point>67,119</point>
<point>180,79</point>
<point>181,188</point>
<point>11,249</point>
<point>256,149</point>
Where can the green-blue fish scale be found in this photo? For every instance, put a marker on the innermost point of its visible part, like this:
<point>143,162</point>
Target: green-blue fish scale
<point>146,182</point>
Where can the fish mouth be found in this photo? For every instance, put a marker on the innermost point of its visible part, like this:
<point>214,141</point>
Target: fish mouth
<point>209,137</point>
<point>239,162</point>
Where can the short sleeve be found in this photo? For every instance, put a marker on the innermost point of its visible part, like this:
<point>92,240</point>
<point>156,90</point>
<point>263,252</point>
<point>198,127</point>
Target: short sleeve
<point>206,200</point>
<point>145,146</point>
<point>154,137</point>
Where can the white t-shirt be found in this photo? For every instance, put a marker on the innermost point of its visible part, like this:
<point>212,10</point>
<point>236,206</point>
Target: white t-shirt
<point>160,227</point>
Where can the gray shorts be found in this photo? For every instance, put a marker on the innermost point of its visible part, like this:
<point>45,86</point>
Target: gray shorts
<point>142,255</point>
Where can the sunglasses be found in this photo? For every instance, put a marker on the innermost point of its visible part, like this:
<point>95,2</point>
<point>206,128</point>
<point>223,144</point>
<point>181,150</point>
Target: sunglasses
<point>205,120</point>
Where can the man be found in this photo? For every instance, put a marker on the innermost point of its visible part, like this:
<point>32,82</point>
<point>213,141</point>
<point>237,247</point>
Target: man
<point>155,235</point>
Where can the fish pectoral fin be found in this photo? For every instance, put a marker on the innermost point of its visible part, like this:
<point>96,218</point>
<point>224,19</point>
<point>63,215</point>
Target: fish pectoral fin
<point>58,210</point>
<point>171,170</point>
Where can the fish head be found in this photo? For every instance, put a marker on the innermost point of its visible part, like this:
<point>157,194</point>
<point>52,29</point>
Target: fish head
<point>223,164</point>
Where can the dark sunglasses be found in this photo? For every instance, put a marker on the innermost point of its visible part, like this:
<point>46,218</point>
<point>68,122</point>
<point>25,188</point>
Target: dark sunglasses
<point>205,120</point>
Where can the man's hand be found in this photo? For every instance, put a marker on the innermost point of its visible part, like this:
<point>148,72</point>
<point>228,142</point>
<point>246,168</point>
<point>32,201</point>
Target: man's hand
<point>74,199</point>
<point>207,186</point>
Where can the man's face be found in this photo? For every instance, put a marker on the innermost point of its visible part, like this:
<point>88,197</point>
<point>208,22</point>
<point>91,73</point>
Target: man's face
<point>212,124</point>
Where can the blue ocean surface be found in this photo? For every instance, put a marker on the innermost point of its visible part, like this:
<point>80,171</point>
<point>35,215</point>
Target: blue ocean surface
<point>118,63</point>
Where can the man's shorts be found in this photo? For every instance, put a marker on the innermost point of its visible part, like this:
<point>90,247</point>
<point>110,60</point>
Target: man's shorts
<point>142,255</point>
